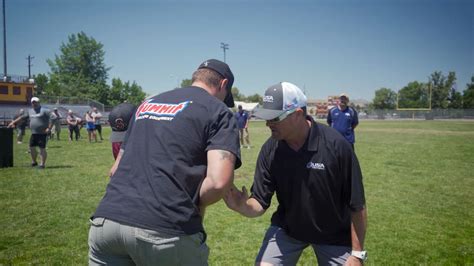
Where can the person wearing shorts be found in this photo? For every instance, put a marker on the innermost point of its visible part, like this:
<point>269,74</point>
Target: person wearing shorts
<point>317,179</point>
<point>40,125</point>
<point>90,126</point>
<point>98,125</point>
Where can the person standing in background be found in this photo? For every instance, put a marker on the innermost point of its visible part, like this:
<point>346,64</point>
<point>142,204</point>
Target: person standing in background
<point>119,119</point>
<point>344,119</point>
<point>98,125</point>
<point>73,125</point>
<point>20,126</point>
<point>90,126</point>
<point>243,123</point>
<point>40,125</point>
<point>56,121</point>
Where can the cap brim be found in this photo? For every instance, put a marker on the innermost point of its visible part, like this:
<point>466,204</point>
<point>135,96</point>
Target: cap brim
<point>229,99</point>
<point>268,114</point>
<point>117,136</point>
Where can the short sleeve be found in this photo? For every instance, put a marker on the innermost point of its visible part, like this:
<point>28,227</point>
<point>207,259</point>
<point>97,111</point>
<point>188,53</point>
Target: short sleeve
<point>223,134</point>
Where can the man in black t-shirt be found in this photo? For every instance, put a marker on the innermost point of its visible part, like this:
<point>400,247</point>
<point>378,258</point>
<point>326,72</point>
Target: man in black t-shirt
<point>178,156</point>
<point>318,183</point>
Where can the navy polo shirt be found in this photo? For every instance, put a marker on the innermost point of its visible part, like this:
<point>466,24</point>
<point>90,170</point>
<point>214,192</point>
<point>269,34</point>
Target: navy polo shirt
<point>317,187</point>
<point>241,118</point>
<point>344,121</point>
<point>156,185</point>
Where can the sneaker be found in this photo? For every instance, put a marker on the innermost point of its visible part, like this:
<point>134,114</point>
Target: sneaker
<point>34,164</point>
<point>41,167</point>
<point>19,142</point>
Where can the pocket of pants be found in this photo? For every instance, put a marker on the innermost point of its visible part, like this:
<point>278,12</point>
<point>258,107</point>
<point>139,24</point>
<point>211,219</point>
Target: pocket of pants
<point>97,221</point>
<point>154,237</point>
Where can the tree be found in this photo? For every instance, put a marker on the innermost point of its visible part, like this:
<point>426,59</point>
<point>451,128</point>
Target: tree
<point>124,91</point>
<point>256,98</point>
<point>455,99</point>
<point>186,83</point>
<point>384,99</point>
<point>440,88</point>
<point>237,95</point>
<point>468,95</point>
<point>80,70</point>
<point>41,81</point>
<point>414,95</point>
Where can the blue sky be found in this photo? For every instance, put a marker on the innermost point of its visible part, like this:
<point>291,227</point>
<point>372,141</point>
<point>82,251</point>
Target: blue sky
<point>324,47</point>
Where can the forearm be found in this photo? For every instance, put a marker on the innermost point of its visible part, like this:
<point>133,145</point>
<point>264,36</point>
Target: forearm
<point>252,208</point>
<point>211,191</point>
<point>219,177</point>
<point>116,163</point>
<point>358,229</point>
<point>240,202</point>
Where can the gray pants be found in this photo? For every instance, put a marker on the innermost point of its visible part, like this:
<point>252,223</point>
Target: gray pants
<point>278,248</point>
<point>112,243</point>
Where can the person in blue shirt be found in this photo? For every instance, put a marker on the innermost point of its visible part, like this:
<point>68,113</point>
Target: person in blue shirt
<point>243,124</point>
<point>344,119</point>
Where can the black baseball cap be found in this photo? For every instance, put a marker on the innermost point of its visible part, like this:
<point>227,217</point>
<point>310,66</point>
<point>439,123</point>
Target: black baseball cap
<point>224,70</point>
<point>119,119</point>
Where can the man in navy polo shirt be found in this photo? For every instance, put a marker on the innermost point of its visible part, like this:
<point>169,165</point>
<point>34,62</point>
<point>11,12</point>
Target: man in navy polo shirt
<point>243,123</point>
<point>178,156</point>
<point>344,119</point>
<point>318,183</point>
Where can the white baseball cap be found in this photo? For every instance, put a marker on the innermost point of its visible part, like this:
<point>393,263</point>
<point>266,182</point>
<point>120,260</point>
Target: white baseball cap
<point>35,99</point>
<point>280,98</point>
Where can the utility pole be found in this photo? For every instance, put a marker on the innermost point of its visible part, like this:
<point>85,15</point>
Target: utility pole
<point>224,46</point>
<point>29,58</point>
<point>4,42</point>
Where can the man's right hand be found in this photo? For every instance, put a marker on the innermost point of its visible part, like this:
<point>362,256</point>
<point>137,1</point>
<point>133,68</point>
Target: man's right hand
<point>236,199</point>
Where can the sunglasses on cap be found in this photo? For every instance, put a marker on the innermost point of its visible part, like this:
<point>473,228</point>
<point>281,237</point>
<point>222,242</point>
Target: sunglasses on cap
<point>282,116</point>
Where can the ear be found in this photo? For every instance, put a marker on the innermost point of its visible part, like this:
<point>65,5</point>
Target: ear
<point>224,84</point>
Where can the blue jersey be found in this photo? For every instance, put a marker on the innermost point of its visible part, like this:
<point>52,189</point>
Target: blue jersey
<point>344,121</point>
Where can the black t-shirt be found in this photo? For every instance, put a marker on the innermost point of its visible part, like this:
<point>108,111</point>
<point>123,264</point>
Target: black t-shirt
<point>156,185</point>
<point>316,187</point>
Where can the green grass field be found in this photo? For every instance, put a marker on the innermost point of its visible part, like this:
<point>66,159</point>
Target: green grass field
<point>418,178</point>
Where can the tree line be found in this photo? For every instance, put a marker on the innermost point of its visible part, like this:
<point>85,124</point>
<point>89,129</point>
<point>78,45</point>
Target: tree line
<point>439,92</point>
<point>79,71</point>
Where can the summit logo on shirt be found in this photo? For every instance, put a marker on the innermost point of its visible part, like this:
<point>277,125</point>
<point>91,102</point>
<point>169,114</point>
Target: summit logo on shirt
<point>159,111</point>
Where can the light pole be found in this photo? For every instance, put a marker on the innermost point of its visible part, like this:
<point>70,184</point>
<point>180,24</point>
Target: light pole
<point>4,42</point>
<point>224,46</point>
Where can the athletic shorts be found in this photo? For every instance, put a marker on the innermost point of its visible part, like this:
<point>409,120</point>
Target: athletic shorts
<point>90,126</point>
<point>278,248</point>
<point>38,140</point>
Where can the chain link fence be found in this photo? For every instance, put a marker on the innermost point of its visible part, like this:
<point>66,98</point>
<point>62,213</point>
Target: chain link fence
<point>418,114</point>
